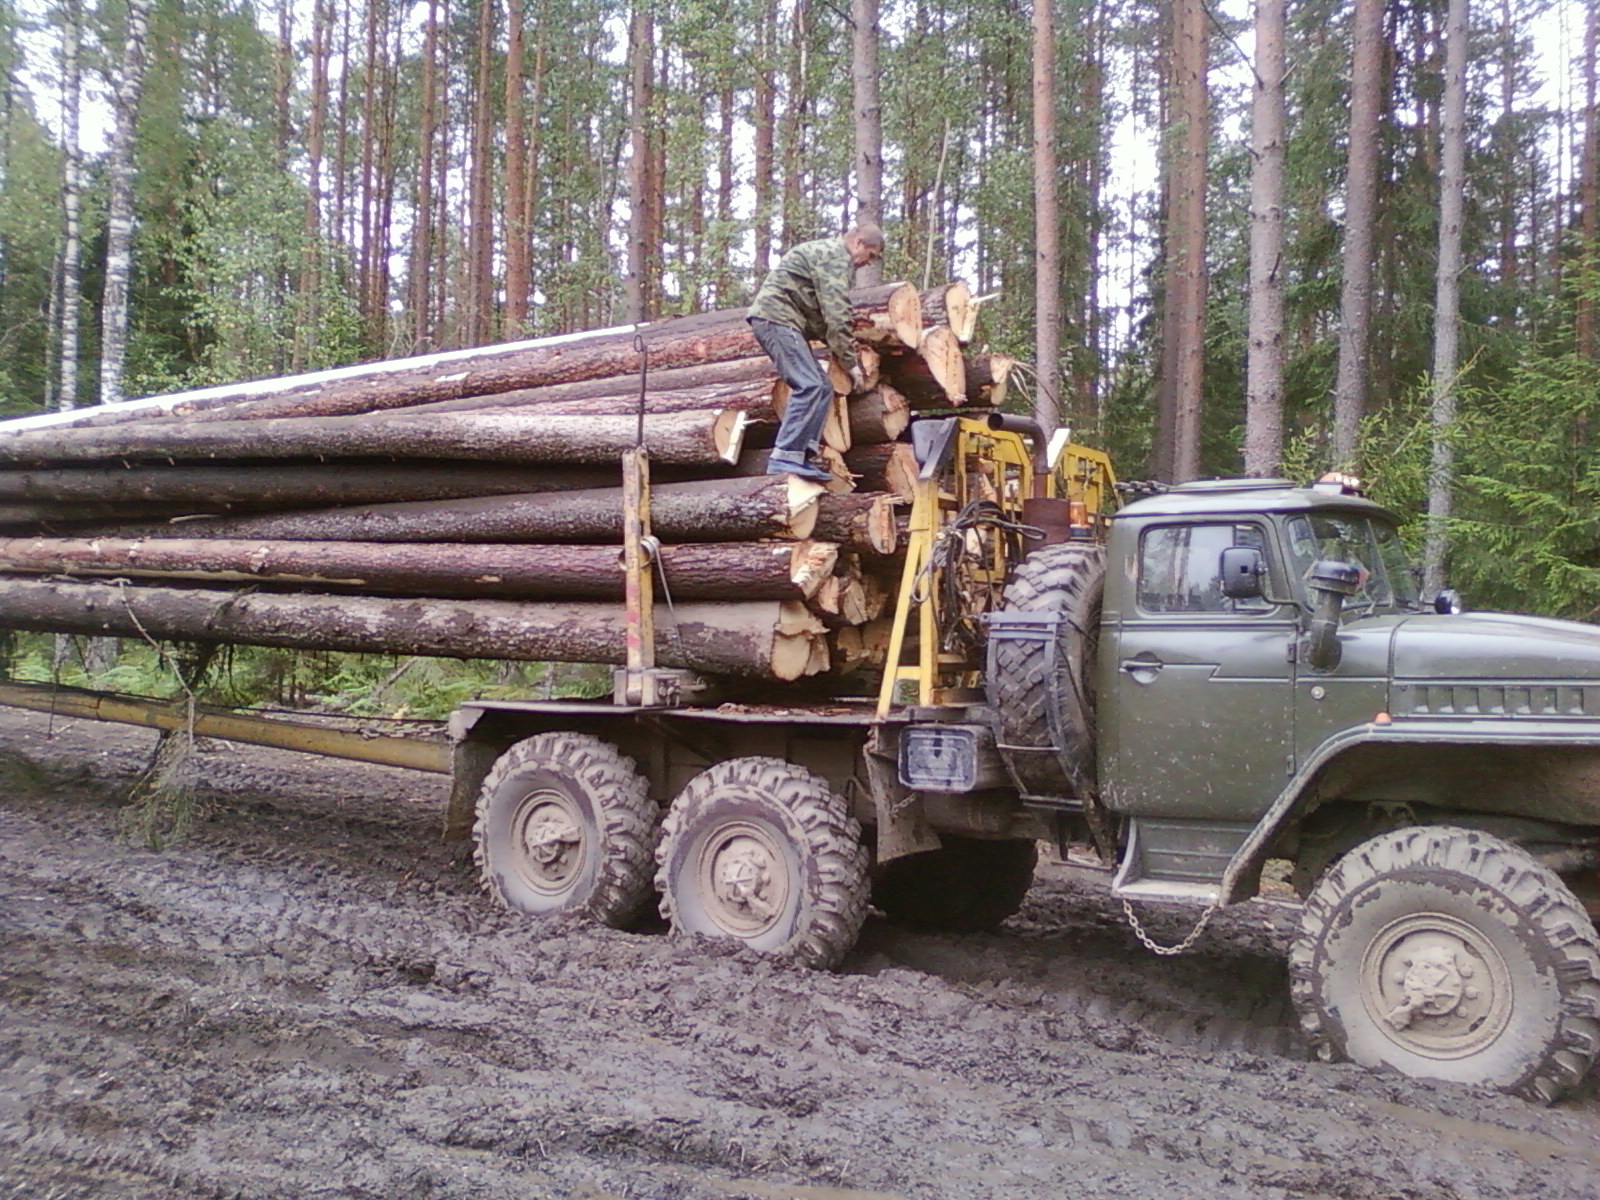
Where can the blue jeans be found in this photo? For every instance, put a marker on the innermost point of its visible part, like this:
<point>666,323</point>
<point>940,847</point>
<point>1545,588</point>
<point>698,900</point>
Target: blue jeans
<point>810,392</point>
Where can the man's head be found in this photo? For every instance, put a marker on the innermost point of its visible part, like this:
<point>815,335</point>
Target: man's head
<point>865,243</point>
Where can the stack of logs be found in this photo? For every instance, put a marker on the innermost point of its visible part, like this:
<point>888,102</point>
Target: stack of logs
<point>468,505</point>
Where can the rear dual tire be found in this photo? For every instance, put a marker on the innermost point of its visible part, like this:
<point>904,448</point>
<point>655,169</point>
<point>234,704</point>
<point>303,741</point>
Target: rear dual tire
<point>565,824</point>
<point>763,852</point>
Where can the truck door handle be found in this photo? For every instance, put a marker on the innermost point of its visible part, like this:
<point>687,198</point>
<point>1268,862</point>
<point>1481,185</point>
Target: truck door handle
<point>1143,670</point>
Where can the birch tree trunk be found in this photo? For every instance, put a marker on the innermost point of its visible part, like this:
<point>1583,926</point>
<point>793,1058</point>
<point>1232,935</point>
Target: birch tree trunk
<point>1263,434</point>
<point>1447,305</point>
<point>1355,295</point>
<point>71,201</point>
<point>119,207</point>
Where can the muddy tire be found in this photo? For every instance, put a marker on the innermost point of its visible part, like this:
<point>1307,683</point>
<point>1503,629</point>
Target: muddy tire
<point>1028,684</point>
<point>1450,954</point>
<point>762,851</point>
<point>566,824</point>
<point>965,886</point>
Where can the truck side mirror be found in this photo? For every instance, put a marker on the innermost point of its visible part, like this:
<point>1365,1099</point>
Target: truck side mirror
<point>1330,582</point>
<point>1243,569</point>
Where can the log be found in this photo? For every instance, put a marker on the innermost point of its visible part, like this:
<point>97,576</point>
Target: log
<point>986,376</point>
<point>284,485</point>
<point>886,467</point>
<point>860,648</point>
<point>693,438</point>
<point>951,305</point>
<point>708,510</point>
<point>843,600</point>
<point>45,513</point>
<point>879,415</point>
<point>863,522</point>
<point>571,397</point>
<point>737,571</point>
<point>620,397</point>
<point>764,639</point>
<point>891,314</point>
<point>887,315</point>
<point>932,376</point>
<point>867,357</point>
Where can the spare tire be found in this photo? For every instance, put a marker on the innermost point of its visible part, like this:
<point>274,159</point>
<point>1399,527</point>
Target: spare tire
<point>1042,688</point>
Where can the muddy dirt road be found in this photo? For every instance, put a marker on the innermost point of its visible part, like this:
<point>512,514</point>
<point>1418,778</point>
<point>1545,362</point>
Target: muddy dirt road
<point>310,998</point>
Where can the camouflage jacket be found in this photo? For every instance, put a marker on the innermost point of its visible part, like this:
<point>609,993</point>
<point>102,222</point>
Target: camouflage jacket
<point>807,291</point>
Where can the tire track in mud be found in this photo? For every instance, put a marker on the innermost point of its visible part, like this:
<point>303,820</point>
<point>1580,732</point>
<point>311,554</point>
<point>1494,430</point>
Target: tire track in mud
<point>271,1010</point>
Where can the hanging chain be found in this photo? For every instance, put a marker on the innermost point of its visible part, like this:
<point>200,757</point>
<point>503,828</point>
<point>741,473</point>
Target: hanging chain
<point>1167,951</point>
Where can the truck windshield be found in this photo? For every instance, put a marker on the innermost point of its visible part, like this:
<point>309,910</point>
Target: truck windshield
<point>1387,579</point>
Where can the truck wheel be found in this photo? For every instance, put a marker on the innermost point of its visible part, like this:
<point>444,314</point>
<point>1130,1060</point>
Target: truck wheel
<point>762,851</point>
<point>1450,954</point>
<point>966,886</point>
<point>1029,682</point>
<point>565,824</point>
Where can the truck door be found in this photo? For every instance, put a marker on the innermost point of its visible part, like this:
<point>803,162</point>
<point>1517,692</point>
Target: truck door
<point>1195,711</point>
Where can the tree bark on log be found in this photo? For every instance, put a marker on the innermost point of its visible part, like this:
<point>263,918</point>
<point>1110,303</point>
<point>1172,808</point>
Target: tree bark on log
<point>932,376</point>
<point>863,522</point>
<point>985,379</point>
<point>736,571</point>
<point>767,639</point>
<point>887,467</point>
<point>44,513</point>
<point>879,415</point>
<point>951,305</point>
<point>709,510</point>
<point>286,485</point>
<point>694,438</point>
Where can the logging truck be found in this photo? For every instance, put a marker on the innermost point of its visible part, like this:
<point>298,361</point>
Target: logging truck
<point>1206,680</point>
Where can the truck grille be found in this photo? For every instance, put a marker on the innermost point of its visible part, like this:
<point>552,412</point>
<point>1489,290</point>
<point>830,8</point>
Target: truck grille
<point>1497,700</point>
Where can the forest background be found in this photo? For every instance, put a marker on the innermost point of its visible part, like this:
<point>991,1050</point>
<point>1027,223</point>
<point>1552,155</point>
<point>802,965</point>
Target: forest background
<point>203,191</point>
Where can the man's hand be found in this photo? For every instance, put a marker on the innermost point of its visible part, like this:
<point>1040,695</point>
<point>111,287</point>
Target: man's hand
<point>858,379</point>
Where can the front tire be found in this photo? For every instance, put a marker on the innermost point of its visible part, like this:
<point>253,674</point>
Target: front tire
<point>1450,954</point>
<point>565,823</point>
<point>761,851</point>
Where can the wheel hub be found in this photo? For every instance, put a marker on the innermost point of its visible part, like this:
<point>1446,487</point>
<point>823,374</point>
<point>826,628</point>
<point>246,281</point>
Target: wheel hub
<point>550,835</point>
<point>1436,986</point>
<point>744,879</point>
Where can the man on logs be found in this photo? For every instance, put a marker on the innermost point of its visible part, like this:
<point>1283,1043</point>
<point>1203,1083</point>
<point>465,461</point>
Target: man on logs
<point>804,297</point>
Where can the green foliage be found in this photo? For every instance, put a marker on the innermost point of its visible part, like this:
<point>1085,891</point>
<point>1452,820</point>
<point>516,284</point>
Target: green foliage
<point>357,685</point>
<point>1523,536</point>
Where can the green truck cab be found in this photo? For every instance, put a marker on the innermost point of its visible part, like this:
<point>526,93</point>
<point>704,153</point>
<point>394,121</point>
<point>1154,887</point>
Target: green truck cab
<point>1246,672</point>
